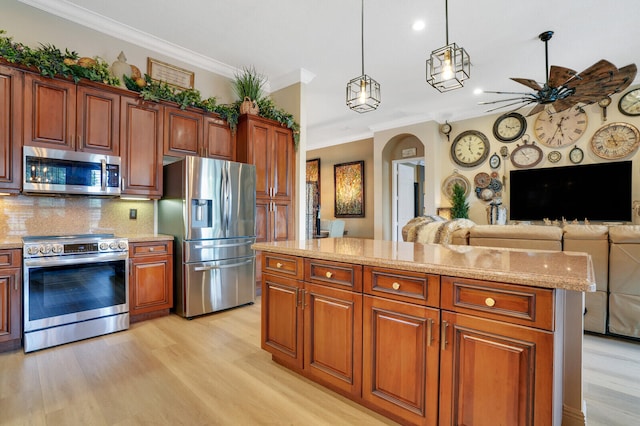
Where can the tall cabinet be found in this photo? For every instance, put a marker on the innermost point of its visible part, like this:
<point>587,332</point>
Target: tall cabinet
<point>269,146</point>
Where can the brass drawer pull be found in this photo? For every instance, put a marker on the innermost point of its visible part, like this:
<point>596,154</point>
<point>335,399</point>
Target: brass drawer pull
<point>328,274</point>
<point>278,265</point>
<point>395,286</point>
<point>489,302</point>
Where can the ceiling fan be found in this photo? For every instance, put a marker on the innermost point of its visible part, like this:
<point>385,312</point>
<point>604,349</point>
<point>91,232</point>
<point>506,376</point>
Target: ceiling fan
<point>565,88</point>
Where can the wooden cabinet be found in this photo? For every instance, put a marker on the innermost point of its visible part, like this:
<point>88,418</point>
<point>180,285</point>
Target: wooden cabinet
<point>189,132</point>
<point>269,146</point>
<point>150,279</point>
<point>11,81</point>
<point>60,114</point>
<point>419,348</point>
<point>10,299</point>
<point>141,132</point>
<point>400,359</point>
<point>493,370</point>
<point>314,329</point>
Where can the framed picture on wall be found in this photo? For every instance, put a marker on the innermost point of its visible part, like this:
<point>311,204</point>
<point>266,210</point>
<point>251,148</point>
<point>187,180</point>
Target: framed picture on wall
<point>313,172</point>
<point>349,186</point>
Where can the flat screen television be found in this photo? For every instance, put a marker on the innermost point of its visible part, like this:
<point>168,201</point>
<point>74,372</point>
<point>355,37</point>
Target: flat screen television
<point>597,192</point>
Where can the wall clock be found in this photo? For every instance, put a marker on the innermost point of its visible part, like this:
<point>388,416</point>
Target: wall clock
<point>526,155</point>
<point>615,140</point>
<point>494,161</point>
<point>629,104</point>
<point>576,155</point>
<point>509,127</point>
<point>560,128</point>
<point>470,148</point>
<point>445,129</point>
<point>554,156</point>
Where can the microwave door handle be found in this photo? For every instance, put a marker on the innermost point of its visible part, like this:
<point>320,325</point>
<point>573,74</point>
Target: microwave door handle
<point>213,267</point>
<point>104,173</point>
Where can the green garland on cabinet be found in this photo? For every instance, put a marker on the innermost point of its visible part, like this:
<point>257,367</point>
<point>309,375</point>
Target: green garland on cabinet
<point>51,61</point>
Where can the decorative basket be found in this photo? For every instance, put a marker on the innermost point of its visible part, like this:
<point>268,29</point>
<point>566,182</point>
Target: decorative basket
<point>249,107</point>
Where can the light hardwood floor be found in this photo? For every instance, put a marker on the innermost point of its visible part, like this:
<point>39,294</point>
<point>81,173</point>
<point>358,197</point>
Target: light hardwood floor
<point>211,371</point>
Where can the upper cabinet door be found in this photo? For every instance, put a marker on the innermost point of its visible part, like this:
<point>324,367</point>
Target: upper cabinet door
<point>98,121</point>
<point>49,112</point>
<point>141,136</point>
<point>218,142</point>
<point>10,128</point>
<point>182,132</point>
<point>282,162</point>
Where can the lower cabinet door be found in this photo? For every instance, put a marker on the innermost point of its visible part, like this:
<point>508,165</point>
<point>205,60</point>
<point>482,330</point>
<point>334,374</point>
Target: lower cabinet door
<point>333,337</point>
<point>400,359</point>
<point>493,373</point>
<point>282,319</point>
<point>150,285</point>
<point>10,305</point>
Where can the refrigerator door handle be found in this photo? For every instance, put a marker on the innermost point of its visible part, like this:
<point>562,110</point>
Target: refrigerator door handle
<point>214,267</point>
<point>213,246</point>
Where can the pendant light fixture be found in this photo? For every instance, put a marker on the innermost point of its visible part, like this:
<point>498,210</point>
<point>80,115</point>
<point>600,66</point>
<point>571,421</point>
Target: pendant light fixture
<point>363,92</point>
<point>449,66</point>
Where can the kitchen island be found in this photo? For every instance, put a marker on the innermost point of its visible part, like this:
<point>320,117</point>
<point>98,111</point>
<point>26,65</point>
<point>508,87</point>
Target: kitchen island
<point>431,334</point>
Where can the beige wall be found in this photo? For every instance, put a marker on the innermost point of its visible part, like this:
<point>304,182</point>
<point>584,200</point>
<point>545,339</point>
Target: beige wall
<point>345,153</point>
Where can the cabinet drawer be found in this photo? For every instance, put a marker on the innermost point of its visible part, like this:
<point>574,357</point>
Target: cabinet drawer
<point>150,249</point>
<point>517,304</point>
<point>282,264</point>
<point>334,274</point>
<point>10,258</point>
<point>412,287</point>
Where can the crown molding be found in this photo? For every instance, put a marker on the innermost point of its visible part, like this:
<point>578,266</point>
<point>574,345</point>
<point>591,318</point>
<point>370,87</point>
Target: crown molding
<point>297,76</point>
<point>103,24</point>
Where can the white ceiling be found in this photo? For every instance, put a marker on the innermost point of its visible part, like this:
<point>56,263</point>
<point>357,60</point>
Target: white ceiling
<point>300,39</point>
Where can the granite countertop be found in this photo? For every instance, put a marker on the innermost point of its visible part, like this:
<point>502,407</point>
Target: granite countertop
<point>538,268</point>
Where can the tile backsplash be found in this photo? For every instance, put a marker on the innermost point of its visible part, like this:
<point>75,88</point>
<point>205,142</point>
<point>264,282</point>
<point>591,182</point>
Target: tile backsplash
<point>33,215</point>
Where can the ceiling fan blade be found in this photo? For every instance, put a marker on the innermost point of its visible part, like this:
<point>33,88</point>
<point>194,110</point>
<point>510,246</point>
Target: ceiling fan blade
<point>626,74</point>
<point>563,104</point>
<point>559,75</point>
<point>536,109</point>
<point>528,82</point>
<point>601,71</point>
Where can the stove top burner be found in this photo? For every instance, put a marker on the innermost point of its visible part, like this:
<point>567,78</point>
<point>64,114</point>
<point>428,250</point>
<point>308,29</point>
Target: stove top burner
<point>61,245</point>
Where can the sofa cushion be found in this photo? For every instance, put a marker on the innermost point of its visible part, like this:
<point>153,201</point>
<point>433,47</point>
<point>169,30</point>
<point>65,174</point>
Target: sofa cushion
<point>520,232</point>
<point>586,232</point>
<point>625,234</point>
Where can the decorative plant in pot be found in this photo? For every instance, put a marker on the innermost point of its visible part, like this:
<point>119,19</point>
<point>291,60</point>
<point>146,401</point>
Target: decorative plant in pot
<point>460,207</point>
<point>248,86</point>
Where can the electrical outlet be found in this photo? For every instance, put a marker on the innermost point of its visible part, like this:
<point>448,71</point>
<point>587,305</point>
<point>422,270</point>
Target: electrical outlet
<point>133,214</point>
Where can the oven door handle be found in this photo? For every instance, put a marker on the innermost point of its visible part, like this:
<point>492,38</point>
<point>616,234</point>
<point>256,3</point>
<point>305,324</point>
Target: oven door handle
<point>73,259</point>
<point>214,267</point>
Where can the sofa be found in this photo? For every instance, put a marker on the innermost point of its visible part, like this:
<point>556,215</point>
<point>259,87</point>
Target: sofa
<point>614,308</point>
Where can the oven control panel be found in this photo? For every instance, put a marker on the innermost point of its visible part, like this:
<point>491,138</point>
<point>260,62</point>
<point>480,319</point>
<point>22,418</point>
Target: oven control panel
<point>52,248</point>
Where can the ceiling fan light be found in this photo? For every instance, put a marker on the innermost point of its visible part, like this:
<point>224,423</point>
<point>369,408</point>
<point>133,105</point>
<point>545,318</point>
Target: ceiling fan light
<point>363,94</point>
<point>448,67</point>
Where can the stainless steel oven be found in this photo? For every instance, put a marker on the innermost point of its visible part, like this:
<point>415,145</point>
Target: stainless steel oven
<point>75,287</point>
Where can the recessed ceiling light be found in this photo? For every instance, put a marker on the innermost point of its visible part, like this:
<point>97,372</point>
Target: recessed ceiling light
<point>418,25</point>
<point>478,91</point>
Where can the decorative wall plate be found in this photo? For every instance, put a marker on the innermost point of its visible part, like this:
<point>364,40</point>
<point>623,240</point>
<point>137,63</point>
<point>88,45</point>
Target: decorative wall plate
<point>451,180</point>
<point>482,180</point>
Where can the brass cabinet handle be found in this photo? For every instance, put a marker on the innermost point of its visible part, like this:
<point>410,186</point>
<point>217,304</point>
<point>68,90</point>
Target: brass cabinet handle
<point>395,285</point>
<point>429,331</point>
<point>328,274</point>
<point>489,302</point>
<point>443,335</point>
<point>278,265</point>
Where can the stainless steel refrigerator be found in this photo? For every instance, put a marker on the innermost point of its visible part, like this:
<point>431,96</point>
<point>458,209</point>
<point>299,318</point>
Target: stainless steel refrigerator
<point>210,207</point>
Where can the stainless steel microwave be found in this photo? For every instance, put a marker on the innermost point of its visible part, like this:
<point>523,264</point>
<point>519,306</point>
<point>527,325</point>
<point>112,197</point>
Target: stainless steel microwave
<point>56,171</point>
